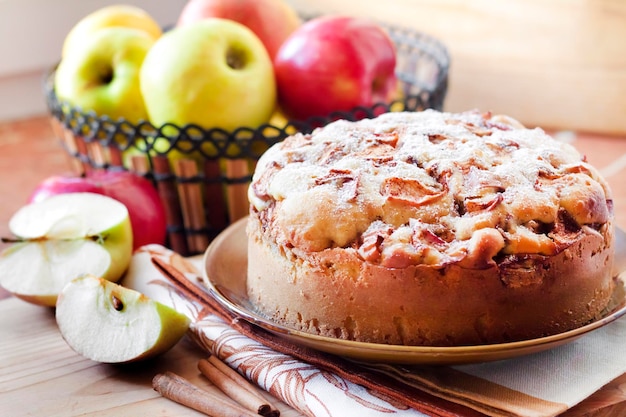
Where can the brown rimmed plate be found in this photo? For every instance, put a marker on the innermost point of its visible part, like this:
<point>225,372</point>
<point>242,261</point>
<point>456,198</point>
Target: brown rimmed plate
<point>225,269</point>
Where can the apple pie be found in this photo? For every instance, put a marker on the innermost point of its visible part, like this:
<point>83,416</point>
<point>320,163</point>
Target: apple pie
<point>430,229</point>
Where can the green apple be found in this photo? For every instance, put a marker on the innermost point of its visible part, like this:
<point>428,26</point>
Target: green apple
<point>215,73</point>
<point>117,15</point>
<point>61,238</point>
<point>102,73</point>
<point>107,322</point>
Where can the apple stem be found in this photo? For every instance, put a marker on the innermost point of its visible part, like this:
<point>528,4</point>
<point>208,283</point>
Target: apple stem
<point>235,59</point>
<point>99,238</point>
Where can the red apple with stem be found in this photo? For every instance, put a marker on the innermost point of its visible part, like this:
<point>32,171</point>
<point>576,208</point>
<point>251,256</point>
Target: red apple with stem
<point>335,63</point>
<point>145,208</point>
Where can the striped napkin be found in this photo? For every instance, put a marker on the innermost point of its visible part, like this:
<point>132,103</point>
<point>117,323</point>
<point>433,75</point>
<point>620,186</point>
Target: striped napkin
<point>538,385</point>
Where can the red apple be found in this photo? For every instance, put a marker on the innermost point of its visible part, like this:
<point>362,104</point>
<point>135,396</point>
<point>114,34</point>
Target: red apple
<point>147,213</point>
<point>271,20</point>
<point>335,63</point>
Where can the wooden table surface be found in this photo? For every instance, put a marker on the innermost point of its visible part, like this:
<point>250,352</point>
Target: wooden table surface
<point>41,376</point>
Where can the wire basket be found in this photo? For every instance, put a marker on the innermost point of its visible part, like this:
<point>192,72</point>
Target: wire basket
<point>202,175</point>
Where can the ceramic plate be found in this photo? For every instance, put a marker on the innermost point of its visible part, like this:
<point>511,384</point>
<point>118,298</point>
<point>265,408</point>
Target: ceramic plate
<point>225,276</point>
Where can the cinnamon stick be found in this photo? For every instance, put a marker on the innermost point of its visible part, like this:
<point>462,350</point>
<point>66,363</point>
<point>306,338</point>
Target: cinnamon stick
<point>97,153</point>
<point>192,205</point>
<point>77,147</point>
<point>169,196</point>
<point>231,373</point>
<point>238,205</point>
<point>68,142</point>
<point>180,390</point>
<point>240,391</point>
<point>214,196</point>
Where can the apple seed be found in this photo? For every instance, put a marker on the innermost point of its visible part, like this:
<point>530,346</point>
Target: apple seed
<point>118,305</point>
<point>99,238</point>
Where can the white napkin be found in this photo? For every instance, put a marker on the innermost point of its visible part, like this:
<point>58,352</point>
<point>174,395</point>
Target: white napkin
<point>542,384</point>
<point>307,389</point>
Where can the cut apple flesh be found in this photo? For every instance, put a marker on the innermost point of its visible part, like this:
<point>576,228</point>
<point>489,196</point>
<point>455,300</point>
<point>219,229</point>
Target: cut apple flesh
<point>64,237</point>
<point>68,216</point>
<point>106,322</point>
<point>43,268</point>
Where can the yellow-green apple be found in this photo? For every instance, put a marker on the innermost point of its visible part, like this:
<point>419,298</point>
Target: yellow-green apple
<point>102,73</point>
<point>214,73</point>
<point>61,238</point>
<point>335,63</point>
<point>271,20</point>
<point>117,15</point>
<point>106,322</point>
<point>145,207</point>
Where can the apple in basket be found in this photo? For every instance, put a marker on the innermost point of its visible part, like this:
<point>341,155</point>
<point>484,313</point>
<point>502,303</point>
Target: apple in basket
<point>117,15</point>
<point>335,63</point>
<point>107,322</point>
<point>214,73</point>
<point>146,210</point>
<point>101,73</point>
<point>61,238</point>
<point>271,20</point>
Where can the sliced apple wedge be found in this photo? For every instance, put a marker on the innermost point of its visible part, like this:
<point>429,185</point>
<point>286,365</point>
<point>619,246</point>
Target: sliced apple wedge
<point>61,238</point>
<point>107,322</point>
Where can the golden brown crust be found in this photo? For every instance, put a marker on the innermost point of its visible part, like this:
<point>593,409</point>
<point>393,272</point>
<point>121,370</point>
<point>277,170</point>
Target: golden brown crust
<point>429,229</point>
<point>429,177</point>
<point>334,293</point>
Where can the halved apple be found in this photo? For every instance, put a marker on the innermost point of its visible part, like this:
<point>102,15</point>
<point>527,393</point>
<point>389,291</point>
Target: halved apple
<point>61,238</point>
<point>107,322</point>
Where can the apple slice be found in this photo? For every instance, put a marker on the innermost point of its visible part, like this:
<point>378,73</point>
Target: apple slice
<point>107,322</point>
<point>145,208</point>
<point>61,238</point>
